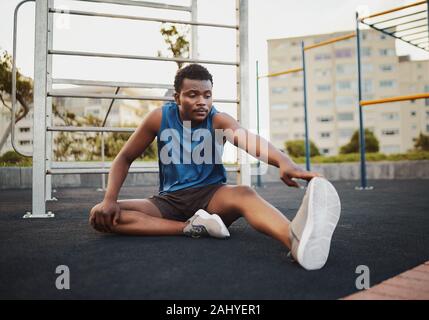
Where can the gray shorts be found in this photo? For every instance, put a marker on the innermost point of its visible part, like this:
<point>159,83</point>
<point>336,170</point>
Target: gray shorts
<point>182,204</point>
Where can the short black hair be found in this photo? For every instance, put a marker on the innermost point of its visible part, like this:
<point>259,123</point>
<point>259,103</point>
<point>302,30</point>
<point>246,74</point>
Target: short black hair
<point>193,72</point>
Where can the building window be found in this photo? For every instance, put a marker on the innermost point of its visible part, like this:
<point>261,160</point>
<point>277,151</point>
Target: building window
<point>324,103</point>
<point>323,87</point>
<point>389,116</point>
<point>367,86</point>
<point>24,129</point>
<point>427,128</point>
<point>387,52</point>
<point>24,142</point>
<point>296,58</point>
<point>413,113</point>
<point>322,56</point>
<point>322,72</point>
<point>297,89</point>
<point>282,106</point>
<point>345,101</point>
<point>427,115</point>
<point>325,135</point>
<point>345,69</point>
<point>346,116</point>
<point>390,132</point>
<point>387,84</point>
<point>383,37</point>
<point>367,68</point>
<point>386,68</point>
<point>279,90</point>
<point>298,104</point>
<point>344,85</point>
<point>325,151</point>
<point>325,119</point>
<point>298,119</point>
<point>365,52</point>
<point>344,53</point>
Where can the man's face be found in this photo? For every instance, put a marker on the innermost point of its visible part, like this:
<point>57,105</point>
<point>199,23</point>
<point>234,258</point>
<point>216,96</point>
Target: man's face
<point>195,100</point>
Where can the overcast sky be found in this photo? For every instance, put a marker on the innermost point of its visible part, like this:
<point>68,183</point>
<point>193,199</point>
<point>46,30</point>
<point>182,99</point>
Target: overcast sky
<point>269,19</point>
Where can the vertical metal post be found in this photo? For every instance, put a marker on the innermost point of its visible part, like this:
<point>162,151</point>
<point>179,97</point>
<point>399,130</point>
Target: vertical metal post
<point>243,112</point>
<point>257,121</point>
<point>307,142</point>
<point>39,120</point>
<point>49,117</point>
<point>361,125</point>
<point>194,40</point>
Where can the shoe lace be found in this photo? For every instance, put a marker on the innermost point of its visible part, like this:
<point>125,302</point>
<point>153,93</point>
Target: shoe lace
<point>197,231</point>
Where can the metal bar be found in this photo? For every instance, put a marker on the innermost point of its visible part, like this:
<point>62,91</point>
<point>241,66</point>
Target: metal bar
<point>414,34</point>
<point>407,29</point>
<point>142,4</point>
<point>128,17</point>
<point>363,179</point>
<point>107,170</point>
<point>49,105</point>
<point>257,121</point>
<point>124,97</point>
<point>243,76</point>
<point>420,42</point>
<point>89,129</point>
<point>395,99</point>
<point>15,33</point>
<point>396,37</point>
<point>281,73</point>
<point>194,30</point>
<point>128,56</point>
<point>393,10</point>
<point>307,142</point>
<point>415,39</point>
<point>39,118</point>
<point>401,17</point>
<point>110,107</point>
<point>115,84</point>
<point>402,24</point>
<point>427,9</point>
<point>410,34</point>
<point>333,40</point>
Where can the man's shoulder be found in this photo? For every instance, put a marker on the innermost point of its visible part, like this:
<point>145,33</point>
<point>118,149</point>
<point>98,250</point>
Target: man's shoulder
<point>154,119</point>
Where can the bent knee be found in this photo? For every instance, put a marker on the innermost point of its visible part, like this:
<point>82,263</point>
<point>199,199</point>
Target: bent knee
<point>242,191</point>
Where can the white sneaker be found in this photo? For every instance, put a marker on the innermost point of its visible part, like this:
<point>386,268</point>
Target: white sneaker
<point>312,228</point>
<point>203,223</point>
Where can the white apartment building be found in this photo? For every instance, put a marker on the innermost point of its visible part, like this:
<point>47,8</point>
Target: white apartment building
<point>332,94</point>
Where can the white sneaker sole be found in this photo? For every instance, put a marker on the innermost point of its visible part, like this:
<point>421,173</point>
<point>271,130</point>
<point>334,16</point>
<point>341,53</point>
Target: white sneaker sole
<point>324,208</point>
<point>216,222</point>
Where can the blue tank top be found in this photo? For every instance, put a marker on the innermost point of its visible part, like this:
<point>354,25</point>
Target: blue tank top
<point>193,155</point>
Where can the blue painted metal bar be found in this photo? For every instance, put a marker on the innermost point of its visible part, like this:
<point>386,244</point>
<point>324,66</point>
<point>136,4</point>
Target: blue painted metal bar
<point>361,125</point>
<point>307,142</point>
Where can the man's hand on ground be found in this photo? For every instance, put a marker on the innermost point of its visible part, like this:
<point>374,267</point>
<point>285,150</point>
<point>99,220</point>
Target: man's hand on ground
<point>287,174</point>
<point>105,215</point>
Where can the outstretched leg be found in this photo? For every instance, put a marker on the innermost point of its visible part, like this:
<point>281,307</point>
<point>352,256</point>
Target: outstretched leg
<point>232,202</point>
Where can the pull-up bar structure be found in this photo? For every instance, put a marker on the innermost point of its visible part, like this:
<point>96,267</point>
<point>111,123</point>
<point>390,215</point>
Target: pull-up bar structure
<point>399,23</point>
<point>43,169</point>
<point>296,70</point>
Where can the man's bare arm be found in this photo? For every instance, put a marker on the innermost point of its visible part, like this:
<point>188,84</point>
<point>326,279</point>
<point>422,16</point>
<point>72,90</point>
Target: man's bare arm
<point>262,149</point>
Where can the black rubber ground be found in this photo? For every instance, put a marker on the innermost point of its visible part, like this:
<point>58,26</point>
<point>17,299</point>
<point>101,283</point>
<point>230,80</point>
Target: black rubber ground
<point>386,229</point>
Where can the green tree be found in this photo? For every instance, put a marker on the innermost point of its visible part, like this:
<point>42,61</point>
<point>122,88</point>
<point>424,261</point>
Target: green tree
<point>421,143</point>
<point>24,93</point>
<point>296,148</point>
<point>371,143</point>
<point>176,40</point>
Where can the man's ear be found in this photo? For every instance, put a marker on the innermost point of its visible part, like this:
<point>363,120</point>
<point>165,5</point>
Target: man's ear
<point>177,98</point>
